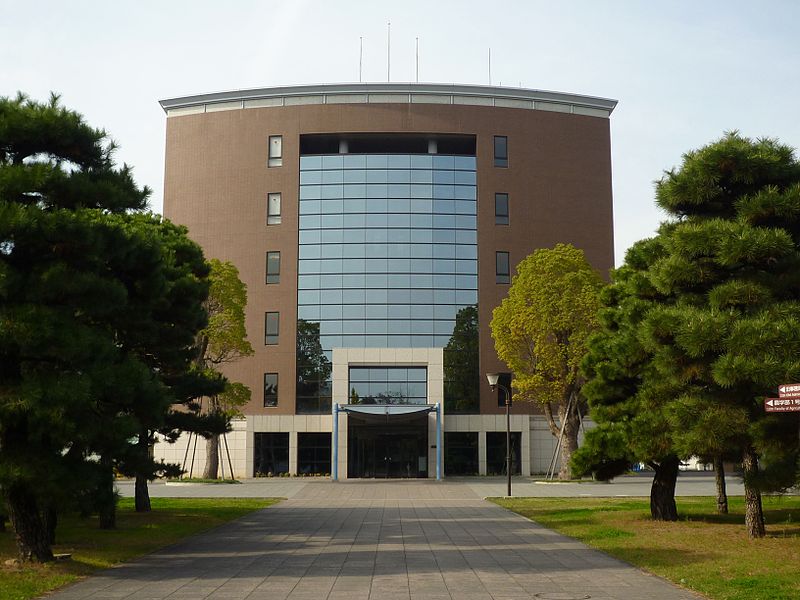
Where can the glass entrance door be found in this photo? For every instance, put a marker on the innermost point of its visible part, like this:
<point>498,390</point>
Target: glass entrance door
<point>387,451</point>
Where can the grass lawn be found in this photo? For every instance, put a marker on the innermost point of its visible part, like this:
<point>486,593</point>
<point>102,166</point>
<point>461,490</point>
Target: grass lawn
<point>136,534</point>
<point>703,551</point>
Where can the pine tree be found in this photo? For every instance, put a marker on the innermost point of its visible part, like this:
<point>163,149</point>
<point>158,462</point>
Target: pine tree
<point>722,327</point>
<point>732,263</point>
<point>57,300</point>
<point>627,396</point>
<point>99,306</point>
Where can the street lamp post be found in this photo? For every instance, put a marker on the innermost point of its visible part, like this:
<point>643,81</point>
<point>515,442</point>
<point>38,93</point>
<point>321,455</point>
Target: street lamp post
<point>494,379</point>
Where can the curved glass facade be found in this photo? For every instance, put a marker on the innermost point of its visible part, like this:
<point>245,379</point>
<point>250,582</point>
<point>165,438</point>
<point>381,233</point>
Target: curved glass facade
<point>387,257</point>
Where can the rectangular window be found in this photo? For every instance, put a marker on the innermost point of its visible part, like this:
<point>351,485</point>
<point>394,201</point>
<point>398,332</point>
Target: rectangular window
<point>503,272</point>
<point>270,389</point>
<point>313,453</point>
<point>274,208</point>
<point>388,385</point>
<point>270,454</point>
<point>500,151</point>
<point>273,267</point>
<point>496,452</point>
<point>501,209</point>
<point>271,327</point>
<point>275,156</point>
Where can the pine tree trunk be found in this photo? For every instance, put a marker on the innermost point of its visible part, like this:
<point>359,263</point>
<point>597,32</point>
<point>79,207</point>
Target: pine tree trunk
<point>106,497</point>
<point>662,491</point>
<point>141,492</point>
<point>50,523</point>
<point>31,533</point>
<point>722,492</point>
<point>753,512</point>
<point>570,442</point>
<point>141,495</point>
<point>212,458</point>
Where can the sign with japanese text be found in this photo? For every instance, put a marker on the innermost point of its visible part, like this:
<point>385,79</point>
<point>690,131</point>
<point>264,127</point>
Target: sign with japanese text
<point>782,404</point>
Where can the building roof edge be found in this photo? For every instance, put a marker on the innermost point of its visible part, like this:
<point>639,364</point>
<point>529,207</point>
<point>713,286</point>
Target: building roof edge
<point>504,93</point>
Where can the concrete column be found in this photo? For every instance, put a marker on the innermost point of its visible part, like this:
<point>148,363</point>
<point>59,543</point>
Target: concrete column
<point>439,442</point>
<point>343,147</point>
<point>482,451</point>
<point>433,147</point>
<point>335,443</point>
<point>525,441</point>
<point>249,448</point>
<point>293,452</point>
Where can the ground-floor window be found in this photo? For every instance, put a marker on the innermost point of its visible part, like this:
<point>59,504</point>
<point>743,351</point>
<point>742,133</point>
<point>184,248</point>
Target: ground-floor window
<point>460,453</point>
<point>313,453</point>
<point>496,453</point>
<point>271,454</point>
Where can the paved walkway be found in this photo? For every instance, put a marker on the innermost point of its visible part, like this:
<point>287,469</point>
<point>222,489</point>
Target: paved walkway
<point>689,484</point>
<point>375,540</point>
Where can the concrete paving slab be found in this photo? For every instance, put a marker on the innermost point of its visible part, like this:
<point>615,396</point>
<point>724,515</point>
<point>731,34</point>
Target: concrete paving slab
<point>377,540</point>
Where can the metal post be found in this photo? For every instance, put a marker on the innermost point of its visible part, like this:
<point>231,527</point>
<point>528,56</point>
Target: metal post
<point>335,450</point>
<point>438,442</point>
<point>494,381</point>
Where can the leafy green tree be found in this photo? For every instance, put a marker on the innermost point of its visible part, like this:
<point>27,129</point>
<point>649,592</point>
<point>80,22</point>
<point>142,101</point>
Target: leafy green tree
<point>461,371</point>
<point>540,331</point>
<point>223,341</point>
<point>627,396</point>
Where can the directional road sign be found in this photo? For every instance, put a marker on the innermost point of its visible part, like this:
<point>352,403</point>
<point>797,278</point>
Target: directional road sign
<point>782,404</point>
<point>789,390</point>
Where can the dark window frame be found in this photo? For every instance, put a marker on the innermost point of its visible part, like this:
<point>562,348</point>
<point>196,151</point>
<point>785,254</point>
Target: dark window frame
<point>271,397</point>
<point>502,271</point>
<point>500,151</point>
<point>271,337</point>
<point>273,276</point>
<point>501,217</point>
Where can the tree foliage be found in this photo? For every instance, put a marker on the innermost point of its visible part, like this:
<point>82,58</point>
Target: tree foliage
<point>540,331</point>
<point>723,327</point>
<point>99,305</point>
<point>626,394</point>
<point>222,341</point>
<point>461,369</point>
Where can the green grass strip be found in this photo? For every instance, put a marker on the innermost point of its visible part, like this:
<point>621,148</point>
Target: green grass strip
<point>703,551</point>
<point>171,520</point>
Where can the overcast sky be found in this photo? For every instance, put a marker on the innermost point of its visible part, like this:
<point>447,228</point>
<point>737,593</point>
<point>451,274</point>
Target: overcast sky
<point>683,71</point>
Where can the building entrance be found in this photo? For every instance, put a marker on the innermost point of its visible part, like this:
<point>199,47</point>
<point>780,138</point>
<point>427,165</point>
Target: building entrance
<point>395,448</point>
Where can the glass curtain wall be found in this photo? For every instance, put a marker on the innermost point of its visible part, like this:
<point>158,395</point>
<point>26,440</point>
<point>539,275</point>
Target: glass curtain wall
<point>388,258</point>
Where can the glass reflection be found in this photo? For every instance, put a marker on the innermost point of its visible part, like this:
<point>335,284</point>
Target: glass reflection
<point>461,375</point>
<point>387,258</point>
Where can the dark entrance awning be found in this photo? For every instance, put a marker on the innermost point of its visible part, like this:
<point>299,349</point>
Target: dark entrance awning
<point>395,413</point>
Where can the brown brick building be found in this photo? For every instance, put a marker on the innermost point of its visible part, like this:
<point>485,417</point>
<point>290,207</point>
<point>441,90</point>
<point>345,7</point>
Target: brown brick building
<point>376,227</point>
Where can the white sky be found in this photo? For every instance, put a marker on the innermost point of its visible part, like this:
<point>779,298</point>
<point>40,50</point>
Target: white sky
<point>683,71</point>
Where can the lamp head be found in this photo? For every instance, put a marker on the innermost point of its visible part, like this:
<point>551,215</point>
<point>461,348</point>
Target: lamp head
<point>493,378</point>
